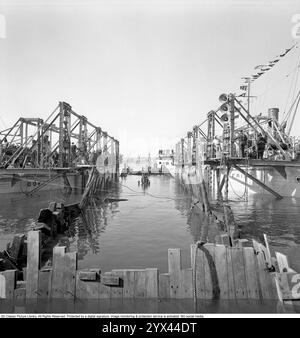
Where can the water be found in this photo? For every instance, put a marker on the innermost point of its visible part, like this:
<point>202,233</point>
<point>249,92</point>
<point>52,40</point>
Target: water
<point>279,219</point>
<point>137,233</point>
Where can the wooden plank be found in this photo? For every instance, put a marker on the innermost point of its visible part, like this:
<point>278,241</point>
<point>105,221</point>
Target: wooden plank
<point>57,285</point>
<point>69,274</point>
<point>33,264</point>
<point>110,280</point>
<point>283,264</point>
<point>268,252</point>
<point>222,270</point>
<point>251,273</point>
<point>174,263</point>
<point>198,258</point>
<point>208,270</point>
<point>15,248</point>
<point>164,286</point>
<point>104,291</point>
<point>7,284</point>
<point>267,286</point>
<point>116,291</point>
<point>86,289</point>
<point>128,291</point>
<point>225,239</point>
<point>140,284</point>
<point>88,275</point>
<point>186,284</point>
<point>258,247</point>
<point>230,274</point>
<point>20,295</point>
<point>239,273</point>
<point>44,286</point>
<point>241,242</point>
<point>151,283</point>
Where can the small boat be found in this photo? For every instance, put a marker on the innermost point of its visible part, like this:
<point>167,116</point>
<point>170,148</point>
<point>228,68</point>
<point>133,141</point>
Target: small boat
<point>145,180</point>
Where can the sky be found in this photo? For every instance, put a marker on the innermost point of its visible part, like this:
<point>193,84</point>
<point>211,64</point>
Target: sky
<point>144,71</point>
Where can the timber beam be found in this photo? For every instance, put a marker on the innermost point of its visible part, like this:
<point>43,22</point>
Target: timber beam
<point>257,181</point>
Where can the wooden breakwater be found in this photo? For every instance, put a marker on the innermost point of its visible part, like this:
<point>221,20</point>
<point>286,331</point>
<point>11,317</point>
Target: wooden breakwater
<point>217,273</point>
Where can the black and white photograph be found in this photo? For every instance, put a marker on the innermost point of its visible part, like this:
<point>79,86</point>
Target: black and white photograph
<point>149,161</point>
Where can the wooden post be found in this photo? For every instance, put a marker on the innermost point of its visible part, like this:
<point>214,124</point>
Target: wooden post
<point>33,264</point>
<point>57,272</point>
<point>174,263</point>
<point>7,284</point>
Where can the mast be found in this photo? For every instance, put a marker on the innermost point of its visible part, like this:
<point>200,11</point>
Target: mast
<point>248,98</point>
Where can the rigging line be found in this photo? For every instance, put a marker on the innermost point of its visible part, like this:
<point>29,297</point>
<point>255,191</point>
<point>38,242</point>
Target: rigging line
<point>296,82</point>
<point>293,118</point>
<point>291,107</point>
<point>293,78</point>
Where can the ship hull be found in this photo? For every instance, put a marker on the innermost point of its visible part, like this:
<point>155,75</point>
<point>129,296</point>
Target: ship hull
<point>282,178</point>
<point>28,180</point>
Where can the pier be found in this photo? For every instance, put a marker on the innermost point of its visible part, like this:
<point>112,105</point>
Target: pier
<point>41,155</point>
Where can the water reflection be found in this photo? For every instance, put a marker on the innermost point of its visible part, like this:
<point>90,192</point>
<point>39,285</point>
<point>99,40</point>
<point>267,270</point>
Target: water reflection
<point>18,212</point>
<point>133,227</point>
<point>88,227</point>
<point>150,215</point>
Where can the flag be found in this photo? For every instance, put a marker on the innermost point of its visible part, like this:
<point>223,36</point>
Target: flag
<point>243,87</point>
<point>259,66</point>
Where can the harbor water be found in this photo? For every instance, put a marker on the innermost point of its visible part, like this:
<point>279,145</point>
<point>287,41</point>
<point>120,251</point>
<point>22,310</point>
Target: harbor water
<point>133,227</point>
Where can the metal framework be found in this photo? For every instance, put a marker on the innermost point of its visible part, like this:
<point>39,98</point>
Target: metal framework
<point>64,140</point>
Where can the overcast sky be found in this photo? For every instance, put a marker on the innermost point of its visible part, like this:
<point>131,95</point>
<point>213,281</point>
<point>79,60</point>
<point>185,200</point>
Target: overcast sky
<point>145,71</point>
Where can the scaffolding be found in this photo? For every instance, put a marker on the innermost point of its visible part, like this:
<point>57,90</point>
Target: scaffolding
<point>64,140</point>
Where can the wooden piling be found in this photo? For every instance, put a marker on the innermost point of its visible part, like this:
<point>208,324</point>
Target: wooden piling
<point>33,264</point>
<point>216,272</point>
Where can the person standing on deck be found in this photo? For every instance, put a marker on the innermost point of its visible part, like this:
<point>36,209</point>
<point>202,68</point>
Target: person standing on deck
<point>216,147</point>
<point>73,150</point>
<point>261,143</point>
<point>242,138</point>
